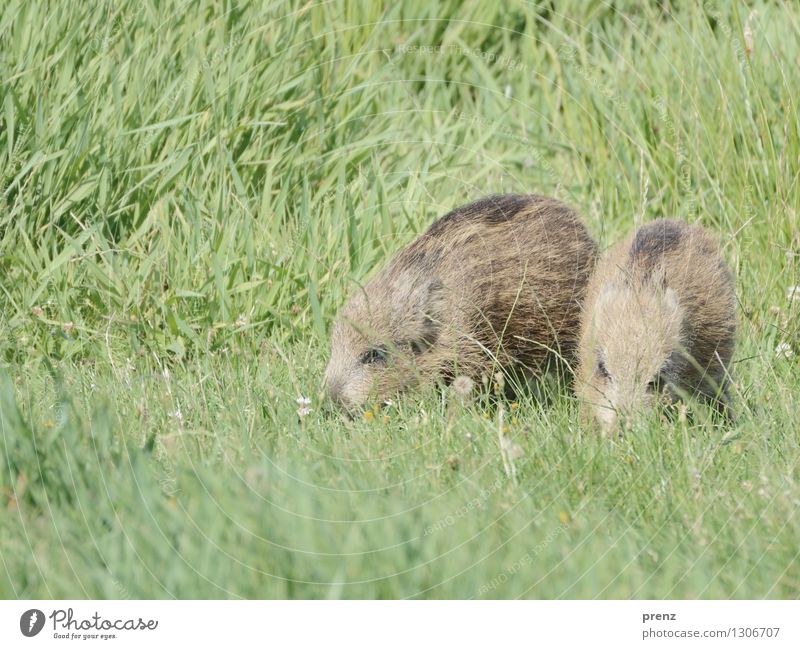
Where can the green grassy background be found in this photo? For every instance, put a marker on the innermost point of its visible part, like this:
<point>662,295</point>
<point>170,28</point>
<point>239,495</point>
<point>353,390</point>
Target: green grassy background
<point>189,190</point>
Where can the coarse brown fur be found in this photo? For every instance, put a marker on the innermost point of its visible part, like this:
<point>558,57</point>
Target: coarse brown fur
<point>494,284</point>
<point>658,323</point>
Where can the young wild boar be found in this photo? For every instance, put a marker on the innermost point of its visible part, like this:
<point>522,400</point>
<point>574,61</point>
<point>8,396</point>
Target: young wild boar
<point>494,284</point>
<point>658,322</point>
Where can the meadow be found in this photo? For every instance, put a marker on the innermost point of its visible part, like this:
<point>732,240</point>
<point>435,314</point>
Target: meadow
<point>190,190</point>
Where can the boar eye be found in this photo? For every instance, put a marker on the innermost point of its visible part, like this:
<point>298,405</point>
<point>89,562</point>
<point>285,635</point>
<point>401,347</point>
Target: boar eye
<point>602,370</point>
<point>374,356</point>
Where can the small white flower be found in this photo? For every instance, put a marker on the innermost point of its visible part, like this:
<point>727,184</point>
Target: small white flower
<point>304,403</point>
<point>178,415</point>
<point>793,293</point>
<point>241,321</point>
<point>784,350</point>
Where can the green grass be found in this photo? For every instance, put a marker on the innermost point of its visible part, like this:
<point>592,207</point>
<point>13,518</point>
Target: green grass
<point>188,191</point>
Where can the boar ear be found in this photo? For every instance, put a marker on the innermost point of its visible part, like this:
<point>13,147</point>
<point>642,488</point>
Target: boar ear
<point>431,311</point>
<point>427,335</point>
<point>434,297</point>
<point>658,279</point>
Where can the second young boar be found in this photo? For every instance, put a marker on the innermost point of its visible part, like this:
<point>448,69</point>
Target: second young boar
<point>658,323</point>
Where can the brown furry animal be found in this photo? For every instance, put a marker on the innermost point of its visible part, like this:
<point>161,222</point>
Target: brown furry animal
<point>659,321</point>
<point>495,283</point>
